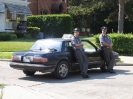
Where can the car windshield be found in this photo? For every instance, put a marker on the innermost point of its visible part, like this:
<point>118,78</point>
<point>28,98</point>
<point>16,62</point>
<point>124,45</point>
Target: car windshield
<point>47,45</point>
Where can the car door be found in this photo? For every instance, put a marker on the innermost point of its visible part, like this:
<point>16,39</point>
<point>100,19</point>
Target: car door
<point>92,53</point>
<point>70,53</point>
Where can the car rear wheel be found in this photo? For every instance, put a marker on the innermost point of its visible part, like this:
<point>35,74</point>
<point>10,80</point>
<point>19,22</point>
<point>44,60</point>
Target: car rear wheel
<point>103,67</point>
<point>28,73</point>
<point>62,70</point>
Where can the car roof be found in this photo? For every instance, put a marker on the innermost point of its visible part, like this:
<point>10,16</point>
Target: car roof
<point>65,37</point>
<point>56,39</point>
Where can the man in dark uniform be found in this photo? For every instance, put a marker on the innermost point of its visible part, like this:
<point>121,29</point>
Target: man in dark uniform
<point>106,46</point>
<point>79,52</point>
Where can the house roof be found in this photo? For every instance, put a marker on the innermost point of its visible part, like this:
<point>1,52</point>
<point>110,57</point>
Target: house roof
<point>18,9</point>
<point>2,8</point>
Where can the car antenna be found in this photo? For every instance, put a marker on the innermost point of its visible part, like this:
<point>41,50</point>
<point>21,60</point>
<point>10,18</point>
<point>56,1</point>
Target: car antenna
<point>40,48</point>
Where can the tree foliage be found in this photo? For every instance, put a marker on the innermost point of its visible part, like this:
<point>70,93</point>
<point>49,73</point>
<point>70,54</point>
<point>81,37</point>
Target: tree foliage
<point>106,10</point>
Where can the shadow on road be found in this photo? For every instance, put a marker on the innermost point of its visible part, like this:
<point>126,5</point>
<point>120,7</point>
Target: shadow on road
<point>74,76</point>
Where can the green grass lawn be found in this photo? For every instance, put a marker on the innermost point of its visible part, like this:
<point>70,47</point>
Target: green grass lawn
<point>5,55</point>
<point>16,45</point>
<point>1,91</point>
<point>2,84</point>
<point>92,39</point>
<point>8,47</point>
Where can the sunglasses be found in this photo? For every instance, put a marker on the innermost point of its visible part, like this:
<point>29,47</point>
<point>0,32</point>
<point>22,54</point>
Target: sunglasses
<point>104,29</point>
<point>76,31</point>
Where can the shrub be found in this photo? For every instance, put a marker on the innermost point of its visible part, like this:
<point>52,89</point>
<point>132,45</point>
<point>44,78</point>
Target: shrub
<point>54,25</point>
<point>4,36</point>
<point>19,34</point>
<point>22,35</point>
<point>27,36</point>
<point>122,43</point>
<point>33,30</point>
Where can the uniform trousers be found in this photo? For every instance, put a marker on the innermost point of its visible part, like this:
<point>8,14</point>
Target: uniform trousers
<point>109,57</point>
<point>83,61</point>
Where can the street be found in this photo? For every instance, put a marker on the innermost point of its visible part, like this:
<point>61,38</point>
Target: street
<point>99,86</point>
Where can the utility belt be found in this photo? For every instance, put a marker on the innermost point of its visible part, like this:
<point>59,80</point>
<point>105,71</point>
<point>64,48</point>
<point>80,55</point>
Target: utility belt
<point>79,49</point>
<point>104,47</point>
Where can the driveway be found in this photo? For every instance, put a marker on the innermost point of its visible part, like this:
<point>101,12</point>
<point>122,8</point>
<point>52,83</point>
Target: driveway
<point>99,86</point>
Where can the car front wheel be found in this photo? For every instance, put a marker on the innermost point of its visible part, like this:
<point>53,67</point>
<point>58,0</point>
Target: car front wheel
<point>62,70</point>
<point>28,73</point>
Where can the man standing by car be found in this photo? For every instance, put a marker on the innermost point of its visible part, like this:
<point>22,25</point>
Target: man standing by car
<point>79,52</point>
<point>106,46</point>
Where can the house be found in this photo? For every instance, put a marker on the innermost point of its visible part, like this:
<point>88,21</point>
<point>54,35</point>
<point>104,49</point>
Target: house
<point>13,9</point>
<point>48,6</point>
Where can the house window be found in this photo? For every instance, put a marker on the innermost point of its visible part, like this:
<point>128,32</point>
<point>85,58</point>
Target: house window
<point>43,12</point>
<point>63,1</point>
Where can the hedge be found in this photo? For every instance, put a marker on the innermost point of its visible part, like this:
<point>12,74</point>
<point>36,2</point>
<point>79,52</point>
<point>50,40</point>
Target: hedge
<point>33,30</point>
<point>5,36</point>
<point>122,43</point>
<point>52,25</point>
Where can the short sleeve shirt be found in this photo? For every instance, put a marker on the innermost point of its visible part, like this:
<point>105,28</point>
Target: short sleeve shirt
<point>76,40</point>
<point>104,38</point>
<point>23,26</point>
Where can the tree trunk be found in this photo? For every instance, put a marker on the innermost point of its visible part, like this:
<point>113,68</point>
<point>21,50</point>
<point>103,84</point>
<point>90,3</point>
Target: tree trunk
<point>121,16</point>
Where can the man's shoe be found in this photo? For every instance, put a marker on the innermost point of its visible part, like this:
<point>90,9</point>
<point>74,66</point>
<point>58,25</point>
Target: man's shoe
<point>84,76</point>
<point>112,71</point>
<point>87,76</point>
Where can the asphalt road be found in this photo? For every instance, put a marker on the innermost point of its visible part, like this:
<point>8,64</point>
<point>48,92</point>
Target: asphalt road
<point>99,86</point>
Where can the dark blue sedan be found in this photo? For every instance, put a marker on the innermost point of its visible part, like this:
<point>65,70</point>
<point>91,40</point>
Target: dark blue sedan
<point>56,55</point>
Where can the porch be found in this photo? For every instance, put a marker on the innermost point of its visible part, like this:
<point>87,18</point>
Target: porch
<point>16,9</point>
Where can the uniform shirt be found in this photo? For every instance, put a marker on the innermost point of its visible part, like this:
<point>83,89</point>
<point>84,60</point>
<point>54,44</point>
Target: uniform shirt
<point>104,38</point>
<point>23,26</point>
<point>76,40</point>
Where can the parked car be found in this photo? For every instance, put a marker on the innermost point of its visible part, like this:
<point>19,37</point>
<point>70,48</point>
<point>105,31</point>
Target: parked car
<point>56,55</point>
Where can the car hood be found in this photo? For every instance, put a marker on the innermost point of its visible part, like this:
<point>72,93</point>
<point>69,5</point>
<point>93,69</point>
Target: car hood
<point>115,53</point>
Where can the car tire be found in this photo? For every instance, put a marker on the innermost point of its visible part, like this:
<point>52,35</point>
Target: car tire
<point>28,73</point>
<point>103,67</point>
<point>62,70</point>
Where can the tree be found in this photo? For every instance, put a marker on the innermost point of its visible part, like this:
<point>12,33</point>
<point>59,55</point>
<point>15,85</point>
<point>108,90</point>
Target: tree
<point>109,11</point>
<point>81,12</point>
<point>121,16</point>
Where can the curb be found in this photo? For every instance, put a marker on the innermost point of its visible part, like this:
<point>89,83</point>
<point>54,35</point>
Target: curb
<point>124,64</point>
<point>5,60</point>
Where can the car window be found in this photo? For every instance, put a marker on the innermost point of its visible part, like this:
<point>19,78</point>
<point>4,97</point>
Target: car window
<point>70,44</point>
<point>47,45</point>
<point>88,47</point>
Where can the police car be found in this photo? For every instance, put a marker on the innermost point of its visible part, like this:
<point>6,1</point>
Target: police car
<point>57,56</point>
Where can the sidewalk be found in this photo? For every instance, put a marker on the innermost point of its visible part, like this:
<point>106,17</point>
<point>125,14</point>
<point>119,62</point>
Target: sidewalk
<point>17,92</point>
<point>126,61</point>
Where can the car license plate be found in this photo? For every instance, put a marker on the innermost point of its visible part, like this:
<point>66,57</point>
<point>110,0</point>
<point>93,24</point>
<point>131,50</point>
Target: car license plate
<point>27,58</point>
